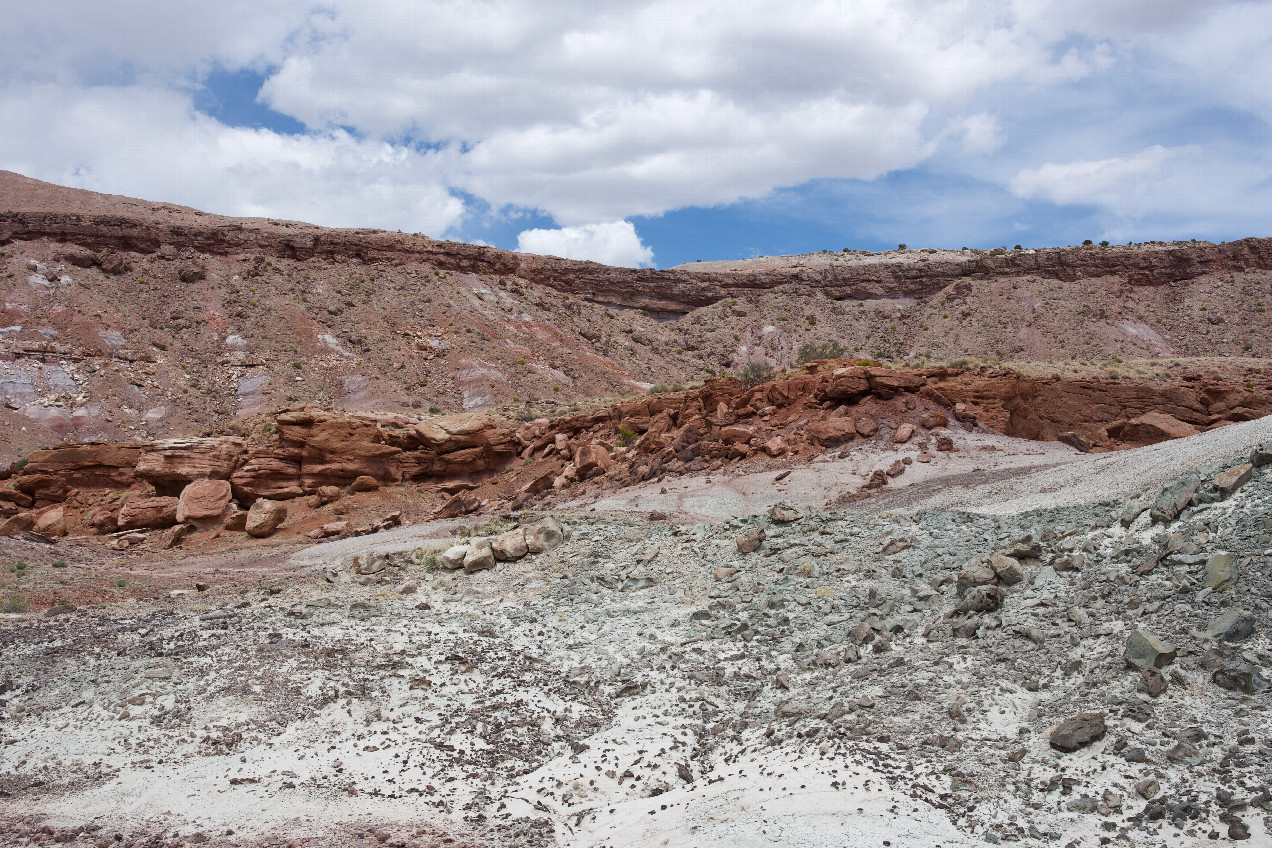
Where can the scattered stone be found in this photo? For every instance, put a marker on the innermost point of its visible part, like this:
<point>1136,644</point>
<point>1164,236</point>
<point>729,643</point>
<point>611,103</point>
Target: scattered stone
<point>866,427</point>
<point>264,518</point>
<point>1235,625</point>
<point>1220,572</point>
<point>1145,650</point>
<point>751,540</point>
<point>174,536</point>
<point>1233,478</point>
<point>1078,731</point>
<point>1147,788</point>
<point>1174,498</point>
<point>944,444</point>
<point>365,483</point>
<point>237,521</point>
<point>1152,681</point>
<point>1239,676</point>
<point>784,513</point>
<point>1186,753</point>
<point>903,434</point>
<point>1006,568</point>
<point>981,599</point>
<point>327,494</point>
<point>978,573</point>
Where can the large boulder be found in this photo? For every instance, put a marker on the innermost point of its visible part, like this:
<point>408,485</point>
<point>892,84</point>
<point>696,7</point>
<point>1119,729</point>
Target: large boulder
<point>362,483</point>
<point>591,461</point>
<point>832,431</point>
<point>203,502</point>
<point>265,517</point>
<point>1153,427</point>
<point>172,464</point>
<point>510,545</point>
<point>479,557</point>
<point>23,522</point>
<point>846,385</point>
<point>544,535</point>
<point>51,521</point>
<point>142,513</point>
<point>452,558</point>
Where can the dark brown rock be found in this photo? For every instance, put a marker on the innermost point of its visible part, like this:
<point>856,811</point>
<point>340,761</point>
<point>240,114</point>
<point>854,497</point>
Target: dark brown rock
<point>1078,731</point>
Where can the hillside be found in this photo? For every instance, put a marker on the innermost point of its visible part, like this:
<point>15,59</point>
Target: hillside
<point>126,319</point>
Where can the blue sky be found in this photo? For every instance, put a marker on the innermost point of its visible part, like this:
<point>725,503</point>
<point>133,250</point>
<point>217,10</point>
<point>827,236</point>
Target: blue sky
<point>655,133</point>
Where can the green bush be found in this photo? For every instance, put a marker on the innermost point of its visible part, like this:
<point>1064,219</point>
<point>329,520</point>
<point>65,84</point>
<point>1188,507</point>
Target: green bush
<point>626,437</point>
<point>16,603</point>
<point>755,373</point>
<point>810,351</point>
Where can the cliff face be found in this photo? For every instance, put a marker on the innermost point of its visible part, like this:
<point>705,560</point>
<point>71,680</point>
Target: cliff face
<point>146,229</point>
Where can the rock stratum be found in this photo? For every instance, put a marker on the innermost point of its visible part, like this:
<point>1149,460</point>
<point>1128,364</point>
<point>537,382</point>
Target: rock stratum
<point>125,319</point>
<point>480,461</point>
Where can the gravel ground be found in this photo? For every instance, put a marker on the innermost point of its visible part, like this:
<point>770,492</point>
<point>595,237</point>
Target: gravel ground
<point>855,679</point>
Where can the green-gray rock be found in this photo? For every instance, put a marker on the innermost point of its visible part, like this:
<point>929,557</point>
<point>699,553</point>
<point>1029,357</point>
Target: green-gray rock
<point>1146,650</point>
<point>1220,572</point>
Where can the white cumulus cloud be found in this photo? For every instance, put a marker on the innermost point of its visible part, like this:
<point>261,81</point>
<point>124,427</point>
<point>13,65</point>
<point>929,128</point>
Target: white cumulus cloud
<point>612,243</point>
<point>1105,182</point>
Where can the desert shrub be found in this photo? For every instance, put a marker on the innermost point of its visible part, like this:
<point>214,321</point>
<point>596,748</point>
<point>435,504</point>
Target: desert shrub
<point>901,246</point>
<point>657,389</point>
<point>626,437</point>
<point>1087,242</point>
<point>810,351</point>
<point>755,373</point>
<point>16,603</point>
<point>434,410</point>
<point>959,363</point>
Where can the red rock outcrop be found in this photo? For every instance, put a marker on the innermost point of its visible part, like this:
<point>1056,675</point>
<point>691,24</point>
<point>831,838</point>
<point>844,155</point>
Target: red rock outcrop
<point>170,465</point>
<point>314,451</point>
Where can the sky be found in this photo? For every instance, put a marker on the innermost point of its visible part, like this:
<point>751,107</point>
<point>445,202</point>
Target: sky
<point>656,133</point>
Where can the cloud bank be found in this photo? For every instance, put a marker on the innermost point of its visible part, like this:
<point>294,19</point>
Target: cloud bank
<point>426,116</point>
